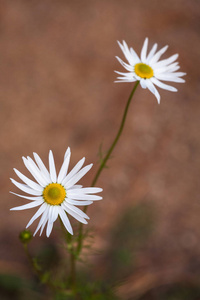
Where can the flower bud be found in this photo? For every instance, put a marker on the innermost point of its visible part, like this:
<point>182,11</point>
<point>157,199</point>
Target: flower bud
<point>25,236</point>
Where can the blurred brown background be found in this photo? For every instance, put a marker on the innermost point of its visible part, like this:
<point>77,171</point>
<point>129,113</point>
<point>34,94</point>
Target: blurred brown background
<point>57,62</point>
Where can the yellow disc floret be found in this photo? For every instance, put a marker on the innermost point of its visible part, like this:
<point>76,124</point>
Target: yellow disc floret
<point>143,71</point>
<point>54,194</point>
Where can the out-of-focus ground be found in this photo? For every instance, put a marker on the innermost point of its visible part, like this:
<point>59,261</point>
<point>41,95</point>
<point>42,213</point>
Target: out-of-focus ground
<point>57,62</point>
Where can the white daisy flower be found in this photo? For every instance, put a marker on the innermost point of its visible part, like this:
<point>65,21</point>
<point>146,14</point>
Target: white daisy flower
<point>148,69</point>
<point>56,195</point>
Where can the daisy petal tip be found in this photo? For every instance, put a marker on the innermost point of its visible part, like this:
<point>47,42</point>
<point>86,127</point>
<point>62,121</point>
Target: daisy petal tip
<point>158,100</point>
<point>24,158</point>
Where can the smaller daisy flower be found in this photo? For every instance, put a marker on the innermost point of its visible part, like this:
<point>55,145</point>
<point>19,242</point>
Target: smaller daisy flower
<point>56,195</point>
<point>148,69</point>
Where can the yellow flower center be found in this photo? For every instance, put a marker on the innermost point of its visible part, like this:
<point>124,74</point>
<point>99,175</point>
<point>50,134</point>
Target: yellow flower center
<point>143,71</point>
<point>54,194</point>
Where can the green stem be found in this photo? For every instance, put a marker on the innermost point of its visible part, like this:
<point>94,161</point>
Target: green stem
<point>33,264</point>
<point>72,279</point>
<point>104,161</point>
<point>37,269</point>
<point>68,238</point>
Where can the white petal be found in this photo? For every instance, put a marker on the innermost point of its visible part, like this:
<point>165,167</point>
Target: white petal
<point>80,196</point>
<point>37,214</point>
<point>75,215</point>
<point>125,80</point>
<point>144,51</point>
<point>135,56</point>
<point>25,188</point>
<point>151,53</point>
<point>126,66</point>
<point>75,209</point>
<point>64,168</point>
<point>68,151</point>
<point>76,186</point>
<point>130,55</point>
<point>28,181</point>
<point>49,228</point>
<point>79,203</point>
<point>27,206</point>
<point>29,198</point>
<point>78,176</point>
<point>176,74</point>
<point>43,225</point>
<point>77,167</point>
<point>36,173</point>
<point>90,190</point>
<point>50,212</point>
<point>156,57</point>
<point>52,168</point>
<point>169,78</point>
<point>128,75</point>
<point>42,167</point>
<point>143,83</point>
<point>163,85</point>
<point>152,89</point>
<point>54,215</point>
<point>65,220</point>
<point>126,51</point>
<point>43,220</point>
<point>172,68</point>
<point>165,62</point>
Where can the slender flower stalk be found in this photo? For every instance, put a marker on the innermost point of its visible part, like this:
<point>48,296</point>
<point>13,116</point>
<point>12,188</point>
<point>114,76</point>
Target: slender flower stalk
<point>70,247</point>
<point>105,159</point>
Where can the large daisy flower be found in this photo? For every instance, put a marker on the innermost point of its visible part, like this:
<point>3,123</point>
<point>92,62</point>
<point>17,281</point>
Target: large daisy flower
<point>56,195</point>
<point>148,69</point>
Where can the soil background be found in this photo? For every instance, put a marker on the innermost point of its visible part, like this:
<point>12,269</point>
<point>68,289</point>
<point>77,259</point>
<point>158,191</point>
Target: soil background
<point>57,62</point>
